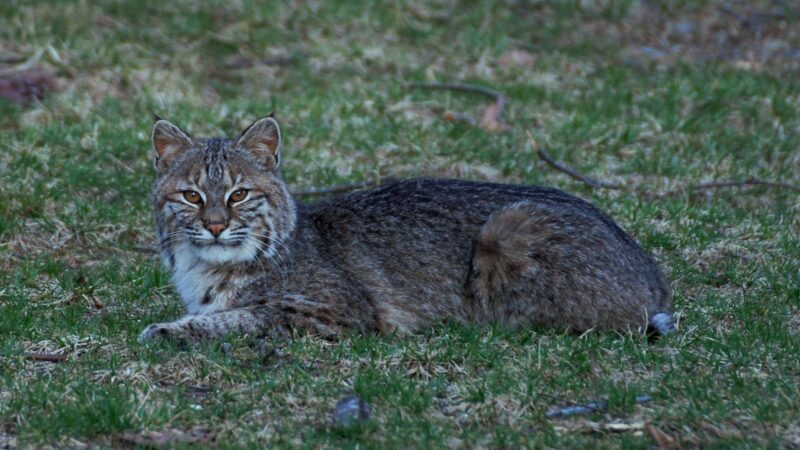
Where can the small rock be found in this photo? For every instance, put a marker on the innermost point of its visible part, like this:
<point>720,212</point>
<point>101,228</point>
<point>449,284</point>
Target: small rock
<point>685,27</point>
<point>227,349</point>
<point>350,411</point>
<point>652,53</point>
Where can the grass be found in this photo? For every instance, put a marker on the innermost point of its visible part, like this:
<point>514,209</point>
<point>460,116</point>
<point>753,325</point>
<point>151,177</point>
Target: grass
<point>75,171</point>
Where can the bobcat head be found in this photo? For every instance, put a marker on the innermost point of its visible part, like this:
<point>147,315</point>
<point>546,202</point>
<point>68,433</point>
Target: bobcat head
<point>221,200</point>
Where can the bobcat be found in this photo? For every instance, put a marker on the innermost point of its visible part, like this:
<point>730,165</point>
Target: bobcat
<point>246,258</point>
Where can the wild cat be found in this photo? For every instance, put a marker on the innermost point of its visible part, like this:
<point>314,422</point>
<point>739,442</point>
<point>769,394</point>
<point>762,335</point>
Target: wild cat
<point>246,258</point>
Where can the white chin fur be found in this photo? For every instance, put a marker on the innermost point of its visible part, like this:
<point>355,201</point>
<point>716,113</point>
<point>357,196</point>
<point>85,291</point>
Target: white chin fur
<point>218,254</point>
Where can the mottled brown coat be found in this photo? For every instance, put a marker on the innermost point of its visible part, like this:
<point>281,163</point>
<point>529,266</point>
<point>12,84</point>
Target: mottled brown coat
<point>394,259</point>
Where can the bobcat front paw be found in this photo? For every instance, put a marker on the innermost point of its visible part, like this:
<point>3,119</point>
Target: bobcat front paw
<point>160,331</point>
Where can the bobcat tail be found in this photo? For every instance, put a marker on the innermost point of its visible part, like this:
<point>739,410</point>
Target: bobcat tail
<point>660,324</point>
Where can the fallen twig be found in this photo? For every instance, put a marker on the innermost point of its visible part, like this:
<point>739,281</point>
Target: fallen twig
<point>491,118</point>
<point>727,184</point>
<point>46,357</point>
<point>748,182</point>
<point>12,59</point>
<point>121,164</point>
<point>488,92</point>
<point>587,408</point>
<point>561,167</point>
<point>589,181</point>
<point>341,188</point>
<point>24,65</point>
<point>149,249</point>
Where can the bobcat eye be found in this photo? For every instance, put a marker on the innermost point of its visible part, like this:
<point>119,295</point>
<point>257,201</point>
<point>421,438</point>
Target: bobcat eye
<point>192,197</point>
<point>238,195</point>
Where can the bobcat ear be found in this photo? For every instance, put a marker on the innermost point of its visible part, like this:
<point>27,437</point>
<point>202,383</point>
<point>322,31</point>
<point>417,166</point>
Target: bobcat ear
<point>263,140</point>
<point>169,143</point>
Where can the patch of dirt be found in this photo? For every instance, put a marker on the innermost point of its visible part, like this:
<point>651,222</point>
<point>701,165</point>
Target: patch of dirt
<point>758,35</point>
<point>750,35</point>
<point>26,86</point>
<point>24,78</point>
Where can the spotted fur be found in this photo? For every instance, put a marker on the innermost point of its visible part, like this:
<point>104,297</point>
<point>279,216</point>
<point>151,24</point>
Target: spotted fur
<point>394,259</point>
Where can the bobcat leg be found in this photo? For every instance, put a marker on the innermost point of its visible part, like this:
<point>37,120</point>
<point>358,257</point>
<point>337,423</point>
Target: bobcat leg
<point>204,326</point>
<point>263,317</point>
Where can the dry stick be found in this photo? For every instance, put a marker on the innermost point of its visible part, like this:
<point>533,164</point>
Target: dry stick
<point>23,66</point>
<point>12,59</point>
<point>491,93</point>
<point>561,167</point>
<point>748,182</point>
<point>348,187</point>
<point>341,188</point>
<point>498,97</point>
<point>728,184</point>
<point>46,357</point>
<point>145,248</point>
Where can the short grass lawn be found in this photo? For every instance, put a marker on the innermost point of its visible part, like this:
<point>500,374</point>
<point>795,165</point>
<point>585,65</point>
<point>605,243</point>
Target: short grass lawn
<point>659,97</point>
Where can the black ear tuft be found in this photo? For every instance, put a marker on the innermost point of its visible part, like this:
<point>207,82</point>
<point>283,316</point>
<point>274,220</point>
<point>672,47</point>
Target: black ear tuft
<point>156,117</point>
<point>272,114</point>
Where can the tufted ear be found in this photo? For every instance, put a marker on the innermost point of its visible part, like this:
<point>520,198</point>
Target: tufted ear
<point>169,143</point>
<point>263,140</point>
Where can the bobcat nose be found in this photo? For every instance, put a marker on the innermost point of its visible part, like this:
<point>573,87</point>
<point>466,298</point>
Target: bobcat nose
<point>216,228</point>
